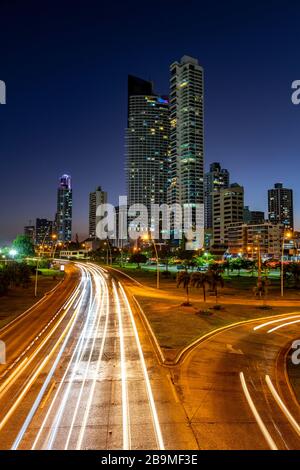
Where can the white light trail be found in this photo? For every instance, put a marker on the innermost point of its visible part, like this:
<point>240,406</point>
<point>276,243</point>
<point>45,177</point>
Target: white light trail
<point>282,406</point>
<point>125,409</point>
<point>156,423</point>
<point>92,390</point>
<point>256,415</point>
<point>69,329</point>
<point>258,327</point>
<point>283,325</point>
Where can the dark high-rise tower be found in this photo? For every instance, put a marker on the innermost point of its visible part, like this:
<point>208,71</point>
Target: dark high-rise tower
<point>280,205</point>
<point>147,145</point>
<point>215,179</point>
<point>63,219</point>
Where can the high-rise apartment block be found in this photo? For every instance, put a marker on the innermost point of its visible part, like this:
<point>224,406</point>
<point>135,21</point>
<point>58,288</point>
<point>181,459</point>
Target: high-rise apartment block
<point>228,205</point>
<point>215,179</point>
<point>280,205</point>
<point>63,219</point>
<point>97,198</point>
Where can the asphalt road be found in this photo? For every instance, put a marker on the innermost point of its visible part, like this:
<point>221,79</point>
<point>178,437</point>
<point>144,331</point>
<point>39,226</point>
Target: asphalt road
<point>89,378</point>
<point>235,390</point>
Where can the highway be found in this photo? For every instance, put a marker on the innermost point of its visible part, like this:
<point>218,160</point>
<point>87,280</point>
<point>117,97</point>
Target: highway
<point>235,390</point>
<point>84,383</point>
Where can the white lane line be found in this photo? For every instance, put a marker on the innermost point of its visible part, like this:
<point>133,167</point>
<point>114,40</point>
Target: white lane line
<point>256,415</point>
<point>125,408</point>
<point>283,325</point>
<point>157,428</point>
<point>282,406</point>
<point>99,362</point>
<point>274,321</point>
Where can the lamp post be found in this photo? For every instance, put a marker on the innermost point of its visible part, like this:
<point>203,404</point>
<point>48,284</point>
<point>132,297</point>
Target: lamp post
<point>286,236</point>
<point>148,237</point>
<point>38,262</point>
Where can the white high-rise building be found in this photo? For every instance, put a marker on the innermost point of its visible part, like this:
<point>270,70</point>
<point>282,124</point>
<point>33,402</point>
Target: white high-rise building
<point>186,173</point>
<point>97,197</point>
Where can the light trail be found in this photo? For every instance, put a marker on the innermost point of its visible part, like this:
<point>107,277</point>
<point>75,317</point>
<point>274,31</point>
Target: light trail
<point>155,419</point>
<point>256,415</point>
<point>68,330</point>
<point>282,406</point>
<point>95,326</point>
<point>258,327</point>
<point>283,325</point>
<point>92,390</point>
<point>125,409</point>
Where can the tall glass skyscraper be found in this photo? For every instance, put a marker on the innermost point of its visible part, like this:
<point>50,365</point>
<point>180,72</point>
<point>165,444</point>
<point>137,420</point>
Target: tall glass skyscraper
<point>147,145</point>
<point>63,219</point>
<point>186,185</point>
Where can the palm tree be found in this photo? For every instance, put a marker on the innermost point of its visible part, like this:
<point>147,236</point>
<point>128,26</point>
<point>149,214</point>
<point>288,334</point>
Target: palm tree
<point>200,280</point>
<point>184,280</point>
<point>215,280</point>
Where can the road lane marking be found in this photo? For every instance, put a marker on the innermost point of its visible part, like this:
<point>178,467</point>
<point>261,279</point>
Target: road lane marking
<point>282,406</point>
<point>256,415</point>
<point>283,325</point>
<point>157,428</point>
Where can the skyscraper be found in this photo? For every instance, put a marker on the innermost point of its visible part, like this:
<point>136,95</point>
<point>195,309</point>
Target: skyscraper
<point>186,133</point>
<point>214,180</point>
<point>63,219</point>
<point>29,231</point>
<point>228,206</point>
<point>97,197</point>
<point>280,205</point>
<point>147,144</point>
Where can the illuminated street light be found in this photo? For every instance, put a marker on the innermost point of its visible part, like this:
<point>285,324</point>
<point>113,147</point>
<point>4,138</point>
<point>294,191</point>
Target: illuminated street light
<point>13,252</point>
<point>287,235</point>
<point>149,238</point>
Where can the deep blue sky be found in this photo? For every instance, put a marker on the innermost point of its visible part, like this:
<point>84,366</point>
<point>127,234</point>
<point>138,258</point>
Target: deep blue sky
<point>65,65</point>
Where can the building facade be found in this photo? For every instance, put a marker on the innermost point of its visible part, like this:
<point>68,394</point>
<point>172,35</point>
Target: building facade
<point>252,239</point>
<point>43,231</point>
<point>63,219</point>
<point>186,172</point>
<point>228,205</point>
<point>96,198</point>
<point>29,231</point>
<point>147,145</point>
<point>280,206</point>
<point>215,179</point>
<point>253,217</point>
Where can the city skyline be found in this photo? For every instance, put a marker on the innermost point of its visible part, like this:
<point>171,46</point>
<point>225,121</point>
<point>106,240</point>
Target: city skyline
<point>67,131</point>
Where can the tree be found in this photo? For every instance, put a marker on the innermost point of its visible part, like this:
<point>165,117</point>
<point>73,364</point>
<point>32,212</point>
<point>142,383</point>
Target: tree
<point>138,258</point>
<point>215,280</point>
<point>200,280</point>
<point>24,246</point>
<point>184,279</point>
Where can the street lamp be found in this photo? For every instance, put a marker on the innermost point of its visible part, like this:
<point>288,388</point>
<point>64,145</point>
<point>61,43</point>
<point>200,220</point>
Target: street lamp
<point>13,252</point>
<point>287,234</point>
<point>148,237</point>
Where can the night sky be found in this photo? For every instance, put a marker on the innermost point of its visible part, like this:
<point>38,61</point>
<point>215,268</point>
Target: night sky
<point>66,63</point>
